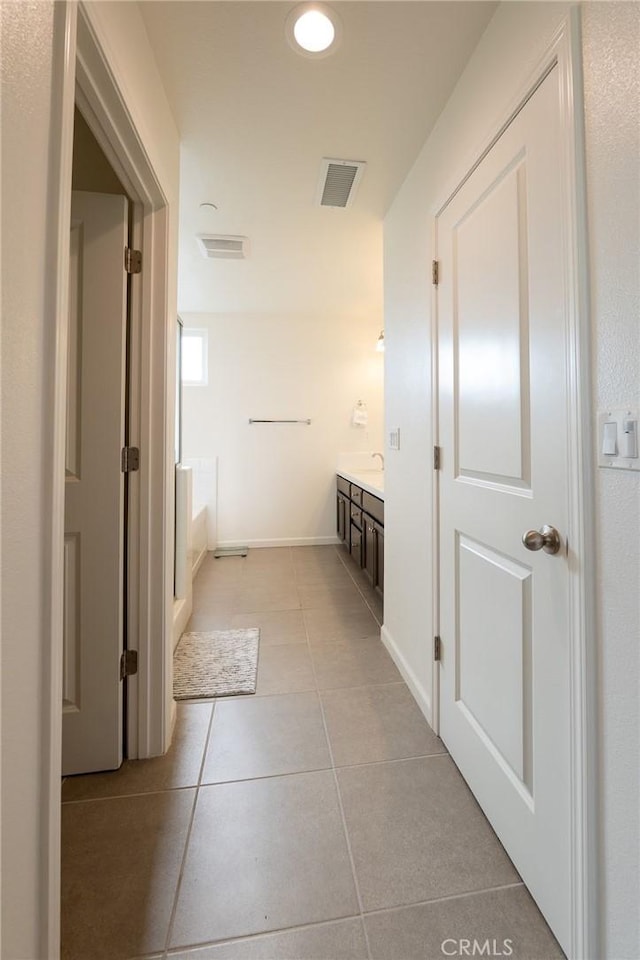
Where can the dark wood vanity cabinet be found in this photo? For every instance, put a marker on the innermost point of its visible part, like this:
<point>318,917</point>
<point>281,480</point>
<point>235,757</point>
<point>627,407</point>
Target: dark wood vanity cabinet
<point>360,525</point>
<point>342,521</point>
<point>370,550</point>
<point>356,544</point>
<point>379,584</point>
<point>374,553</point>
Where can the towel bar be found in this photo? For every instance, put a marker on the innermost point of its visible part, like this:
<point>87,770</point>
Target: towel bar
<point>251,420</point>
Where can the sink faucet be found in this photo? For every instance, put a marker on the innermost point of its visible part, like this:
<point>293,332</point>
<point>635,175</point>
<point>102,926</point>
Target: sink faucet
<point>381,459</point>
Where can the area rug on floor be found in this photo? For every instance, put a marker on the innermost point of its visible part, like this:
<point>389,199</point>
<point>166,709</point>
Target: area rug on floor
<point>216,663</point>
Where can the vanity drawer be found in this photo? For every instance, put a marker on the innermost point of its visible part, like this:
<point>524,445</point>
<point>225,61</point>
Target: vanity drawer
<point>356,515</point>
<point>373,506</point>
<point>356,494</point>
<point>344,486</point>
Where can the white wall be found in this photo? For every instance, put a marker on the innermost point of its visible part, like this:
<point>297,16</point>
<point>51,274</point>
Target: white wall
<point>27,63</point>
<point>123,38</point>
<point>276,482</point>
<point>611,33</point>
<point>505,56</point>
<point>32,54</point>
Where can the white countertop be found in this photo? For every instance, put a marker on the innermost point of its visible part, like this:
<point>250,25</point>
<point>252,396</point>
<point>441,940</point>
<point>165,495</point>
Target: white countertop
<point>370,480</point>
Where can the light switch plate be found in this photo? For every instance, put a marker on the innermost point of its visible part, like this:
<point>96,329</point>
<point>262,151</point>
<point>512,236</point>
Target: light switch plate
<point>394,438</point>
<point>617,415</point>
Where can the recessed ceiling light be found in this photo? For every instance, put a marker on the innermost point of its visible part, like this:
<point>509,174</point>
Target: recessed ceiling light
<point>313,30</point>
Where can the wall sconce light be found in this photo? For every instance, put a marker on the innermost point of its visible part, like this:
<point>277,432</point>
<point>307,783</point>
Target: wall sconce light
<point>380,342</point>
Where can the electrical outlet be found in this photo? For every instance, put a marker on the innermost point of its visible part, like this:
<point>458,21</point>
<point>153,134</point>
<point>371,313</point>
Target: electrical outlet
<point>394,438</point>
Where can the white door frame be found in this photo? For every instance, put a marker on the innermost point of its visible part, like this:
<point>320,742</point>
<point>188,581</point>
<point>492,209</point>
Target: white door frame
<point>565,51</point>
<point>82,74</point>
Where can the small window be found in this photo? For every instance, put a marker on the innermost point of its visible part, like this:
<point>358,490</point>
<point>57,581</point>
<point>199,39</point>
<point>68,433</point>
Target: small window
<point>194,357</point>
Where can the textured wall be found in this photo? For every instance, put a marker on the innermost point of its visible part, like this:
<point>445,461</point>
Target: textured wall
<point>27,56</point>
<point>611,33</point>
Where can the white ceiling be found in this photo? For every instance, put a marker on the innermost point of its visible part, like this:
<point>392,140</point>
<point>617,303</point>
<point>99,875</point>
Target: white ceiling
<point>255,119</point>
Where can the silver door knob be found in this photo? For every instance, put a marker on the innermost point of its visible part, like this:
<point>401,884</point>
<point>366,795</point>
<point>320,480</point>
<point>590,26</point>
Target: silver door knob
<point>547,539</point>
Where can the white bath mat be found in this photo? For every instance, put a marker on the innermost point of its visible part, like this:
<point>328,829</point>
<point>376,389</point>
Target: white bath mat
<point>216,663</point>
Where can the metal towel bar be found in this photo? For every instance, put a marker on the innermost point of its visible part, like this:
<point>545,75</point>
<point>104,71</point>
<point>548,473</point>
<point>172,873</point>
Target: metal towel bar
<point>251,420</point>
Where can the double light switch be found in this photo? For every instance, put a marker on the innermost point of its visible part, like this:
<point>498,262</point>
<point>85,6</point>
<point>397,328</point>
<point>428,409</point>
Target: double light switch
<point>618,439</point>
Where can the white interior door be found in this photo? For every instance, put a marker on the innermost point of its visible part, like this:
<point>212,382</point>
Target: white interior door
<point>94,489</point>
<point>505,669</point>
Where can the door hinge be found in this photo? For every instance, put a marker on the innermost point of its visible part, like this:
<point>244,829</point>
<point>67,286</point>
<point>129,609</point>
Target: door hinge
<point>437,648</point>
<point>128,663</point>
<point>435,272</point>
<point>436,458</point>
<point>130,459</point>
<point>132,260</point>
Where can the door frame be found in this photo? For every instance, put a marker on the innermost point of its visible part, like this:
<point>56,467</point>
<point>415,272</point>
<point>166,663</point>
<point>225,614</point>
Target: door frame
<point>102,106</point>
<point>564,52</point>
<point>83,76</point>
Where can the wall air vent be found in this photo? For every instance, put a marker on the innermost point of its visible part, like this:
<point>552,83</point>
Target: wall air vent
<point>221,247</point>
<point>339,180</point>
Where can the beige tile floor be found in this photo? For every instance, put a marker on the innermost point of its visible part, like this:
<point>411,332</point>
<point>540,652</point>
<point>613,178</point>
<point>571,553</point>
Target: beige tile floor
<point>318,820</point>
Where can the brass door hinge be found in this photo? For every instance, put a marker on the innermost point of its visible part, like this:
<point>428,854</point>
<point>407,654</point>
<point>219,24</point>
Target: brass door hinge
<point>132,260</point>
<point>437,648</point>
<point>435,272</point>
<point>436,458</point>
<point>128,663</point>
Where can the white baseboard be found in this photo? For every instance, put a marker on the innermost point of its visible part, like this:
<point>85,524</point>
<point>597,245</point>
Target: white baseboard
<point>197,563</point>
<point>419,693</point>
<point>284,542</point>
<point>172,720</point>
<point>181,614</point>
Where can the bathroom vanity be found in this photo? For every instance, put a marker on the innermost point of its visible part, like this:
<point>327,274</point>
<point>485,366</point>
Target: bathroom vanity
<point>360,521</point>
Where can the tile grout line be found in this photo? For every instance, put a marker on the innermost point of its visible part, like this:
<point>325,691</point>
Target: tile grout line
<point>340,805</point>
<point>452,896</point>
<point>206,743</point>
<point>345,766</point>
<point>237,699</point>
<point>128,796</point>
<point>247,938</point>
<point>396,908</point>
<point>174,907</point>
<point>290,773</point>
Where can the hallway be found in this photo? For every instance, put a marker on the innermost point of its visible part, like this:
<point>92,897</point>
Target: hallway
<point>318,820</point>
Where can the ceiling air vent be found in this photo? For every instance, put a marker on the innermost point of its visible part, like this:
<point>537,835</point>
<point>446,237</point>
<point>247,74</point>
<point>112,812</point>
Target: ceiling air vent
<point>220,247</point>
<point>339,180</point>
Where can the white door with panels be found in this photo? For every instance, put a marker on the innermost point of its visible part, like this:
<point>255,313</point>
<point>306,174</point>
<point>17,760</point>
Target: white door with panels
<point>503,430</point>
<point>94,487</point>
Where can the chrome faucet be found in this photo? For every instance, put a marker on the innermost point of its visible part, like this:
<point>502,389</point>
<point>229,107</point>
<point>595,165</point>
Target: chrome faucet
<point>381,459</point>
